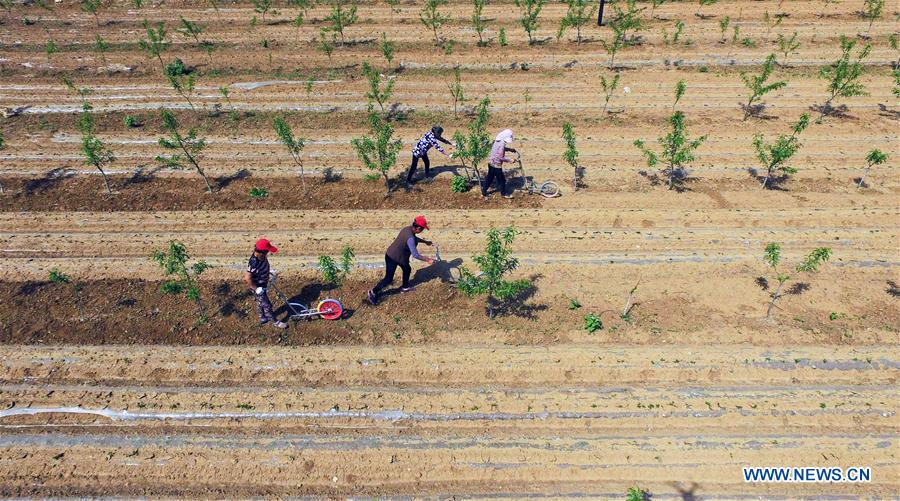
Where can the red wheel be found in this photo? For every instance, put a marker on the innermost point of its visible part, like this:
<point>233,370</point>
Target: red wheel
<point>330,309</point>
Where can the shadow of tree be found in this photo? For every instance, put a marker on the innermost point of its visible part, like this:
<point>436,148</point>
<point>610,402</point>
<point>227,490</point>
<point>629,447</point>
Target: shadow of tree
<point>439,270</point>
<point>680,178</point>
<point>827,110</point>
<point>798,289</point>
<point>756,111</point>
<point>142,175</point>
<point>30,287</point>
<point>762,283</point>
<point>224,181</point>
<point>892,288</point>
<point>50,179</point>
<point>517,306</point>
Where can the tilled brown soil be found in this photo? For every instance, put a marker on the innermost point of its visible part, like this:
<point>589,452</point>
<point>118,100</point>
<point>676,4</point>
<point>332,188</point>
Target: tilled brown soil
<point>137,193</point>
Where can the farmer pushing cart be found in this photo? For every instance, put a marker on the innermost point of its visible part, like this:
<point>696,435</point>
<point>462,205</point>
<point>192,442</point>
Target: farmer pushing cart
<point>398,254</point>
<point>496,159</point>
<point>429,140</point>
<point>257,279</point>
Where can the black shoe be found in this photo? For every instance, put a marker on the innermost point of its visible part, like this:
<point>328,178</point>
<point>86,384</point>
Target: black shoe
<point>373,298</point>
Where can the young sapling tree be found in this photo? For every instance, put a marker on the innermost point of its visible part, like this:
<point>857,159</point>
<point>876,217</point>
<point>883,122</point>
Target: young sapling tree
<point>174,262</point>
<point>680,87</point>
<point>530,11</point>
<point>872,10</point>
<point>181,80</point>
<point>456,90</point>
<point>609,88</point>
<point>387,49</point>
<point>101,46</point>
<point>378,151</point>
<point>810,264</point>
<point>843,74</point>
<point>571,153</point>
<point>341,17</point>
<point>636,494</point>
<point>155,43</point>
<point>394,5</point>
<point>875,157</point>
<point>495,263</point>
<point>94,151</point>
<point>475,147</point>
<point>334,272</point>
<point>579,13</point>
<point>501,37</point>
<point>194,30</point>
<point>262,7</point>
<point>432,19</point>
<point>294,145</point>
<point>232,113</point>
<point>723,27</point>
<point>677,149</point>
<point>185,148</point>
<point>774,156</point>
<point>51,48</point>
<point>326,45</point>
<point>771,22</point>
<point>478,22</point>
<point>376,92</point>
<point>758,87</point>
<point>653,5</point>
<point>92,7</point>
<point>787,46</point>
<point>592,323</point>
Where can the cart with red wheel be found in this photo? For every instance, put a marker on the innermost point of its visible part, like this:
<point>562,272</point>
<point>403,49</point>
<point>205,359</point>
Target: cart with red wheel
<point>328,308</point>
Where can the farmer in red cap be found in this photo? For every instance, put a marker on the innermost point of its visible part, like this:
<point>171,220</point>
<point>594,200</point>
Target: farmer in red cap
<point>398,254</point>
<point>257,279</point>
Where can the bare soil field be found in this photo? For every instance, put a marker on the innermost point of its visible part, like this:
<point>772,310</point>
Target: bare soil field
<point>111,387</point>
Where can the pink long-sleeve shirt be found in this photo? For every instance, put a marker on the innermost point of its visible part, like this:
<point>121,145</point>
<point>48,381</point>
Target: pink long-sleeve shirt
<point>498,154</point>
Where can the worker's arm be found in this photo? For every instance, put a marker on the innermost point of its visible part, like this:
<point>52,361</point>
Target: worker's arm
<point>411,243</point>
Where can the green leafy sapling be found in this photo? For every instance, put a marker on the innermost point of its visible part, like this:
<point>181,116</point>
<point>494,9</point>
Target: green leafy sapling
<point>680,87</point>
<point>232,113</point>
<point>93,8</point>
<point>334,272</point>
<point>530,12</point>
<point>258,193</point>
<point>95,153</point>
<point>723,27</point>
<point>771,22</point>
<point>759,86</point>
<point>675,37</point>
<point>872,10</point>
<point>843,74</point>
<point>774,156</point>
<point>387,48</point>
<point>579,13</point>
<point>456,90</point>
<point>787,46</point>
<point>570,155</point>
<point>609,88</point>
<point>677,148</point>
<point>636,494</point>
<point>495,263</point>
<point>294,145</point>
<point>185,148</point>
<point>155,43</point>
<point>51,48</point>
<point>478,22</point>
<point>474,147</point>
<point>174,262</point>
<point>810,264</point>
<point>653,5</point>
<point>875,157</point>
<point>432,18</point>
<point>101,46</point>
<point>501,37</point>
<point>592,323</point>
<point>377,93</point>
<point>194,30</point>
<point>394,5</point>
<point>326,45</point>
<point>459,184</point>
<point>341,17</point>
<point>378,151</point>
<point>262,7</point>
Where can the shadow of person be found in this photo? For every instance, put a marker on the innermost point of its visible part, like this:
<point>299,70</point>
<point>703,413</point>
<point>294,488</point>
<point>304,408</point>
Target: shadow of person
<point>309,296</point>
<point>438,270</point>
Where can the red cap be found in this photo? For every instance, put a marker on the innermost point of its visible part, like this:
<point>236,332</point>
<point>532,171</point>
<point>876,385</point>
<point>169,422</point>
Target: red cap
<point>420,221</point>
<point>264,245</point>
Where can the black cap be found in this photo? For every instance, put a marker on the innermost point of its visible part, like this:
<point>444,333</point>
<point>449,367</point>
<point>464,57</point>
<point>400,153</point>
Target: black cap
<point>437,130</point>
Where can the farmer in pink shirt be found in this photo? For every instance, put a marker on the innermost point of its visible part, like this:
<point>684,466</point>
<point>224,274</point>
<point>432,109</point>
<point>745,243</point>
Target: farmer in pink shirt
<point>495,163</point>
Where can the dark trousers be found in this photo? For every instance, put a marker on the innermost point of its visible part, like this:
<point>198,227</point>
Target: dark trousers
<point>494,173</point>
<point>390,267</point>
<point>415,164</point>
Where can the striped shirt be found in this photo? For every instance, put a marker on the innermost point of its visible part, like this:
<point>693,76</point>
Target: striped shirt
<point>426,143</point>
<point>259,271</point>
